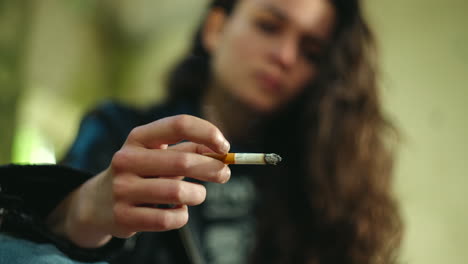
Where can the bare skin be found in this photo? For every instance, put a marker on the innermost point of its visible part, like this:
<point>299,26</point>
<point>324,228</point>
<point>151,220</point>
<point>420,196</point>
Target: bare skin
<point>145,172</point>
<point>263,56</point>
<point>273,46</point>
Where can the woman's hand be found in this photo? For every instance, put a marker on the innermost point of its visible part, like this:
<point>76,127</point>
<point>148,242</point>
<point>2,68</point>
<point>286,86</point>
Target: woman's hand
<point>143,174</point>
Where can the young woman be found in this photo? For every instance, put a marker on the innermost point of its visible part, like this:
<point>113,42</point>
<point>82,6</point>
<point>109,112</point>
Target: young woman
<point>292,77</point>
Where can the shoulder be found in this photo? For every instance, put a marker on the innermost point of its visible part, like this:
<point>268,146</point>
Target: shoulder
<point>101,133</point>
<point>116,113</point>
<point>159,111</point>
<point>109,119</point>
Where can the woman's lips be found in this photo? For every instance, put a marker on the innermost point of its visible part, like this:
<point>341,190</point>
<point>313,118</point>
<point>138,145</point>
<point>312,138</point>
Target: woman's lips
<point>270,83</point>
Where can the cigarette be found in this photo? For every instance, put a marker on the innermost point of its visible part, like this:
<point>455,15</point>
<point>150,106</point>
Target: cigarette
<point>247,158</point>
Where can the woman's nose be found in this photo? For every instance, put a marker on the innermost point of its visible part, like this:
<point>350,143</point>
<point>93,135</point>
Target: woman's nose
<point>285,52</point>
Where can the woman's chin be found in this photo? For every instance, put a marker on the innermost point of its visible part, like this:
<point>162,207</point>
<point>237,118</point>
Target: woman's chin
<point>262,107</point>
<point>257,104</point>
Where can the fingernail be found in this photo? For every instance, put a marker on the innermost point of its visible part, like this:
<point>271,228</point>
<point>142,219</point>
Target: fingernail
<point>226,146</point>
<point>228,174</point>
<point>223,144</point>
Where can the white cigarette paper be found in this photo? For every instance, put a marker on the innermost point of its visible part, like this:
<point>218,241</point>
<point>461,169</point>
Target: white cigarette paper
<point>247,158</point>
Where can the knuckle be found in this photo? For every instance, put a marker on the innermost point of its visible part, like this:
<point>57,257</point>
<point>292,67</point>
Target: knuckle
<point>177,192</point>
<point>121,217</point>
<point>182,162</point>
<point>181,123</point>
<point>147,223</point>
<point>120,187</point>
<point>120,160</point>
<point>169,221</point>
<point>133,135</point>
<point>164,222</point>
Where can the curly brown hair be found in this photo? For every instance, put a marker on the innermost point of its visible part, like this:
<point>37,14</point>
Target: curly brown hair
<point>332,201</point>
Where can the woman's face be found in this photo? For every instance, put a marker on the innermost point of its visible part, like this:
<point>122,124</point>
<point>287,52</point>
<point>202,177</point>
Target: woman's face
<point>267,50</point>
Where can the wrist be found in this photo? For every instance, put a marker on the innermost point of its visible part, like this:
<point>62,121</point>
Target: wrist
<point>76,218</point>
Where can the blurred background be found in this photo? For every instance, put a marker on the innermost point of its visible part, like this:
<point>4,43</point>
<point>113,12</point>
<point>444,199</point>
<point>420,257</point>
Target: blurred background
<point>58,59</point>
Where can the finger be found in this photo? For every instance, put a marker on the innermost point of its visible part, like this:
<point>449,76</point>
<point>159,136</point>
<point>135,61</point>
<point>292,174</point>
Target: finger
<point>161,191</point>
<point>174,129</point>
<point>179,178</point>
<point>155,162</point>
<point>191,147</point>
<point>138,219</point>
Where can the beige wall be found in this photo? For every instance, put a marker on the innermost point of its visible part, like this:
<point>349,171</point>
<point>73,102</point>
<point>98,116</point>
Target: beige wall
<point>78,54</point>
<point>424,47</point>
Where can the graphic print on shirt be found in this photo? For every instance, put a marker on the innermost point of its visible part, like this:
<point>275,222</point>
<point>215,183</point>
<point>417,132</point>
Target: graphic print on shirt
<point>229,236</point>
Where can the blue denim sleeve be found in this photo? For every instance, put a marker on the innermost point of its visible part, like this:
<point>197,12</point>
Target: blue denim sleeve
<point>15,250</point>
<point>28,194</point>
<point>102,132</point>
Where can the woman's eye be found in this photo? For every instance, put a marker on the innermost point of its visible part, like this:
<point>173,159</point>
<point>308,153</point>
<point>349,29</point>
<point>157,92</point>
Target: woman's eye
<point>312,57</point>
<point>268,26</point>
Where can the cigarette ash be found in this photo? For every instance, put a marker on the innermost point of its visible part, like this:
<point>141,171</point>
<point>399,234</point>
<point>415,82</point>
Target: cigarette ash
<point>272,158</point>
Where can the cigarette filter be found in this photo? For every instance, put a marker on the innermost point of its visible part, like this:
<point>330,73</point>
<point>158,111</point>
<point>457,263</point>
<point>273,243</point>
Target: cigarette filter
<point>247,158</point>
